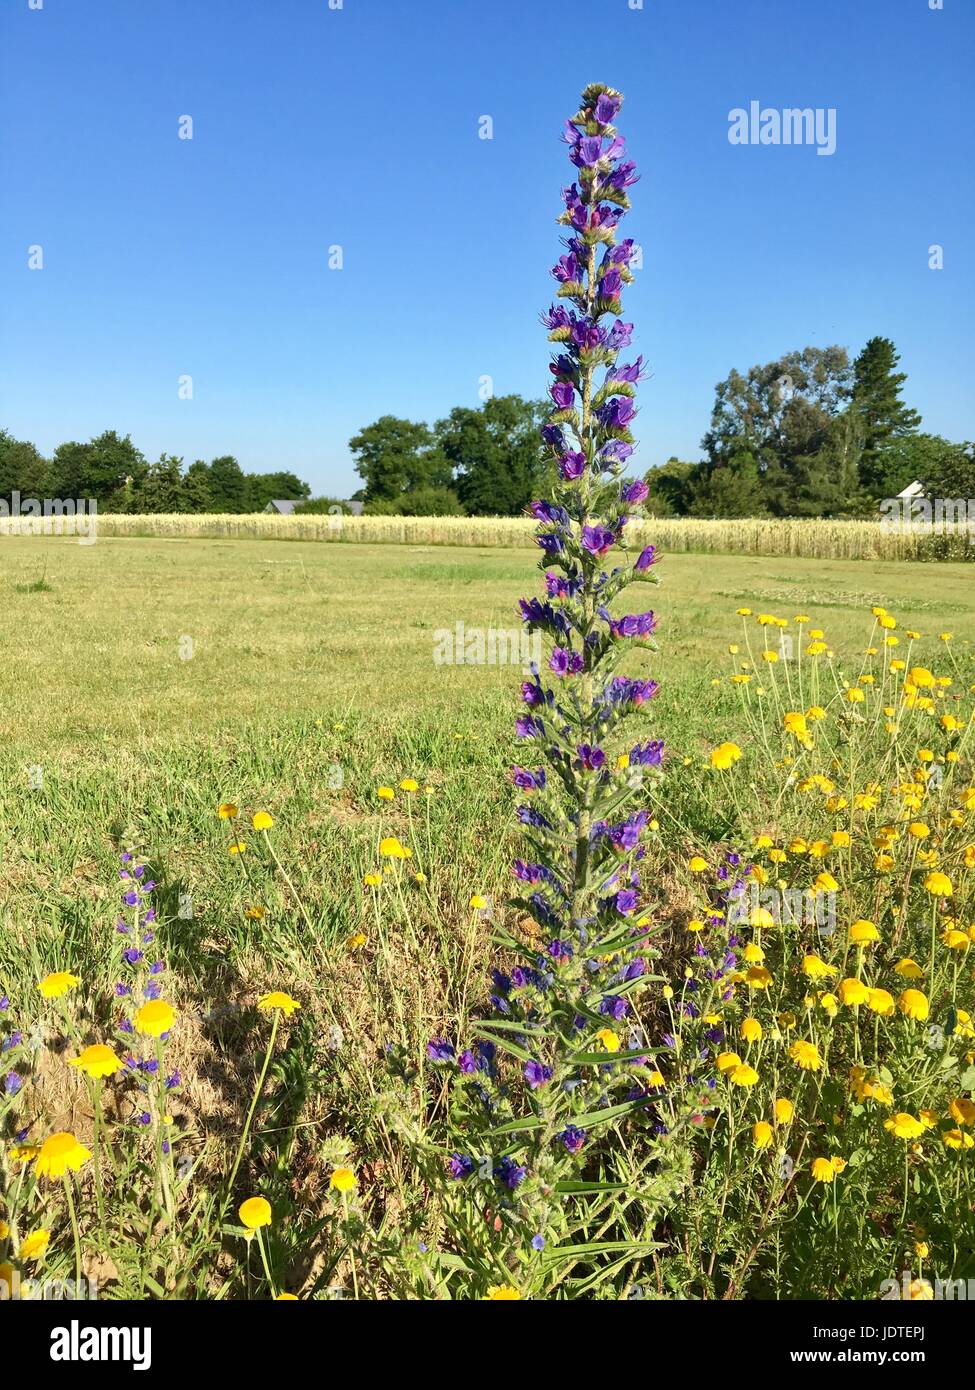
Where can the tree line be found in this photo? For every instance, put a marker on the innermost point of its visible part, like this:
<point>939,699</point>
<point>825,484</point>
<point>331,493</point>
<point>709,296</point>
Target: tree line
<point>812,434</point>
<point>809,434</point>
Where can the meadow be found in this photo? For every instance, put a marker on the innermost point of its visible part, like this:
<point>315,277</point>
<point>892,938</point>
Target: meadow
<point>150,681</point>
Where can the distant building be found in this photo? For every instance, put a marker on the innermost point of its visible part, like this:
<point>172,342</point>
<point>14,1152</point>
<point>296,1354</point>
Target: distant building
<point>354,507</point>
<point>912,490</point>
<point>282,506</point>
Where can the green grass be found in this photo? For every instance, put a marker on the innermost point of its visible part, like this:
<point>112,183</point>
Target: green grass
<point>310,681</point>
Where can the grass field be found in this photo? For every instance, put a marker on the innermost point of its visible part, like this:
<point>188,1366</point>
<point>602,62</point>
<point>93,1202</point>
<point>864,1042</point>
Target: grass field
<point>146,681</point>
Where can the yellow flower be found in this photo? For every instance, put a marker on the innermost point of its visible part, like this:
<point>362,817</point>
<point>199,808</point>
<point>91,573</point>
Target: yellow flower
<point>909,969</point>
<point>237,847</point>
<point>914,1004</point>
<point>408,785</point>
<point>919,676</point>
<point>96,1061</point>
<point>228,811</point>
<point>727,1061</point>
<point>957,1139</point>
<point>385,793</point>
<point>904,1126</point>
<point>751,1030</point>
<point>286,1298</point>
<point>697,864</point>
<point>34,1245</point>
<point>918,830</point>
<point>354,942</point>
<point>373,880</point>
<point>855,696</point>
<point>757,977</point>
<point>478,902</point>
<point>823,1170</point>
<point>853,992</point>
<point>725,755</point>
<point>255,912</point>
<point>881,1002</point>
<point>255,1212</point>
<point>761,917</point>
<point>60,1152</point>
<point>816,968</point>
<point>155,1018</point>
<point>608,1039</point>
<point>743,1075</point>
<point>938,885</point>
<point>391,848</point>
<point>343,1180</point>
<point>753,953</point>
<point>277,999</point>
<point>261,821</point>
<point>863,932</point>
<point>806,1055</point>
<point>962,1111</point>
<point>501,1293</point>
<point>784,1111</point>
<point>762,1134</point>
<point>58,984</point>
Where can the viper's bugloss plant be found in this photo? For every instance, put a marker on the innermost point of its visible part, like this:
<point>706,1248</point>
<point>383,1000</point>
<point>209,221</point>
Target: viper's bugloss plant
<point>561,1074</point>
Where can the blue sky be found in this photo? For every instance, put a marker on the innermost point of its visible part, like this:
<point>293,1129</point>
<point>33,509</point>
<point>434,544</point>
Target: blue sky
<point>358,127</point>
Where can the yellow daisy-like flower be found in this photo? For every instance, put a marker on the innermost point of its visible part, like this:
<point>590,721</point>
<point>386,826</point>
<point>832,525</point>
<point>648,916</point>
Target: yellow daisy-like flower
<point>255,912</point>
<point>237,847</point>
<point>609,1039</point>
<point>34,1245</point>
<point>343,1180</point>
<point>373,880</point>
<point>725,756</point>
<point>58,1153</point>
<point>904,1126</point>
<point>762,1134</point>
<point>743,1075</point>
<point>286,1298</point>
<point>358,939</point>
<point>816,968</point>
<point>277,999</point>
<point>385,793</point>
<point>155,1018</point>
<point>853,992</point>
<point>697,864</point>
<point>862,932</point>
<point>958,1139</point>
<point>938,885</point>
<point>806,1055</point>
<point>962,1111</point>
<point>254,1213</point>
<point>408,785</point>
<point>501,1293</point>
<point>55,985</point>
<point>757,977</point>
<point>751,1030</point>
<point>228,811</point>
<point>478,902</point>
<point>261,821</point>
<point>909,969</point>
<point>760,917</point>
<point>97,1061</point>
<point>880,1001</point>
<point>784,1111</point>
<point>914,1004</point>
<point>753,953</point>
<point>727,1061</point>
<point>823,1170</point>
<point>391,848</point>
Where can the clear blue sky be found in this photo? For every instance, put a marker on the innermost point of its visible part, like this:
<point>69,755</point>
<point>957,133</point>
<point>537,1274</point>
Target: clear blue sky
<point>359,127</point>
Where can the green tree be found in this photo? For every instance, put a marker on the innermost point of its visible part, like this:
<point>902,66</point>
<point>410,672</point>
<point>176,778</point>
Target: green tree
<point>495,454</point>
<point>877,398</point>
<point>423,501</point>
<point>263,487</point>
<point>732,487</point>
<point>826,481</point>
<point>162,489</point>
<point>23,469</point>
<point>944,469</point>
<point>196,487</point>
<point>394,456</point>
<point>672,487</point>
<point>228,485</point>
<point>105,468</point>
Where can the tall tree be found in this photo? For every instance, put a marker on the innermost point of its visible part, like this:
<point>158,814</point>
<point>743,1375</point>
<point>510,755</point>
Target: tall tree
<point>394,456</point>
<point>196,487</point>
<point>162,488</point>
<point>22,468</point>
<point>228,486</point>
<point>495,454</point>
<point>104,469</point>
<point>877,397</point>
<point>263,487</point>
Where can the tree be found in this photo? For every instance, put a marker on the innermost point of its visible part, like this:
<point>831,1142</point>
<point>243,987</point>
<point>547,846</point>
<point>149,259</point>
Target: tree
<point>826,482</point>
<point>104,468</point>
<point>424,501</point>
<point>162,489</point>
<point>780,412</point>
<point>885,417</point>
<point>22,468</point>
<point>944,469</point>
<point>671,487</point>
<point>196,488</point>
<point>263,487</point>
<point>228,486</point>
<point>394,456</point>
<point>732,487</point>
<point>495,454</point>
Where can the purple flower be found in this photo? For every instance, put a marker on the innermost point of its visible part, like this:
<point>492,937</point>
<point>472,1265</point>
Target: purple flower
<point>13,1083</point>
<point>439,1050</point>
<point>572,1138</point>
<point>460,1166</point>
<point>536,1074</point>
<point>597,539</point>
<point>571,465</point>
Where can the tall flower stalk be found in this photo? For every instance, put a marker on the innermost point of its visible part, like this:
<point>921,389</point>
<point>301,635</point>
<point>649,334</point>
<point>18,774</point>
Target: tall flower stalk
<point>565,1115</point>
